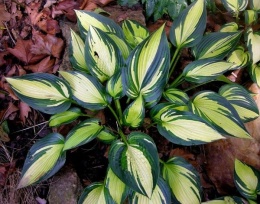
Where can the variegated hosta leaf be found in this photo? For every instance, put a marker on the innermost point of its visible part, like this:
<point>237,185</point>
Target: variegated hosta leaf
<point>77,52</point>
<point>117,189</point>
<point>114,86</point>
<point>253,44</point>
<point>161,194</point>
<point>219,112</point>
<point>247,180</point>
<point>83,133</point>
<point>226,200</point>
<point>86,90</point>
<point>122,45</point>
<point>103,57</point>
<point>239,58</point>
<point>41,91</point>
<point>134,114</point>
<point>241,100</point>
<point>96,193</point>
<point>136,163</point>
<point>85,19</point>
<point>183,180</point>
<point>161,108</point>
<point>189,26</point>
<point>229,27</point>
<point>254,4</point>
<point>201,71</point>
<point>251,17</point>
<point>147,67</point>
<point>176,96</point>
<point>65,117</point>
<point>216,45</point>
<point>134,32</point>
<point>43,160</point>
<point>185,128</point>
<point>106,136</point>
<point>254,72</point>
<point>235,6</point>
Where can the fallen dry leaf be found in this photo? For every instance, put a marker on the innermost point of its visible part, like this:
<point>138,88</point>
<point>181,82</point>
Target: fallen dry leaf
<point>24,111</point>
<point>49,3</point>
<point>47,44</point>
<point>45,65</point>
<point>33,11</point>
<point>49,26</point>
<point>9,111</point>
<point>22,51</point>
<point>5,16</point>
<point>66,7</point>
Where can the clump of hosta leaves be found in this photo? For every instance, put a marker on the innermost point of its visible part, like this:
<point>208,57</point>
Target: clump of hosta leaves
<point>130,72</point>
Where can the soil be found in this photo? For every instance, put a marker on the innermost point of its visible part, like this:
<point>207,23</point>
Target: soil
<point>89,161</point>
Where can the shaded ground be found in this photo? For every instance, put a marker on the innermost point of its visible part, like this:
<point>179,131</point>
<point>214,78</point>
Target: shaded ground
<point>34,36</point>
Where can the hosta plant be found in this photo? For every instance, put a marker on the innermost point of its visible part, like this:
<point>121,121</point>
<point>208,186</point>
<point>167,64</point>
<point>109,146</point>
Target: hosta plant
<point>131,72</point>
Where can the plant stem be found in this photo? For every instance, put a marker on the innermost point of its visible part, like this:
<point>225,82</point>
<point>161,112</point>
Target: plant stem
<point>161,161</point>
<point>122,136</point>
<point>177,81</point>
<point>119,110</point>
<point>174,60</point>
<point>115,115</point>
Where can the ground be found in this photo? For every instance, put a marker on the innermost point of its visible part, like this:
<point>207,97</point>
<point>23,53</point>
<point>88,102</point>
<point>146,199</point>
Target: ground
<point>34,37</point>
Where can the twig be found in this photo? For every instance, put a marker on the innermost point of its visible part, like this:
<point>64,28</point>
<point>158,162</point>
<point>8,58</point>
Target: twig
<point>31,127</point>
<point>8,32</point>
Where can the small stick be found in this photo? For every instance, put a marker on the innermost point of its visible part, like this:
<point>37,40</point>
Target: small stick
<point>9,32</point>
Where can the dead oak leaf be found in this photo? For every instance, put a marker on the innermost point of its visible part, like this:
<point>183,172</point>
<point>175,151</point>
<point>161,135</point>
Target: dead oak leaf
<point>49,3</point>
<point>45,65</point>
<point>5,16</point>
<point>24,111</point>
<point>47,44</point>
<point>33,11</point>
<point>22,51</point>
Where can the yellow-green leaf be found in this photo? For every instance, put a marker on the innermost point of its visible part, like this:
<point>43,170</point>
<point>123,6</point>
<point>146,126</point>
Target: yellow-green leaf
<point>253,44</point>
<point>83,133</point>
<point>247,180</point>
<point>134,114</point>
<point>189,26</point>
<point>95,193</point>
<point>43,160</point>
<point>201,71</point>
<point>114,86</point>
<point>219,112</point>
<point>254,4</point>
<point>86,90</point>
<point>103,57</point>
<point>239,58</point>
<point>161,194</point>
<point>134,32</point>
<point>226,200</point>
<point>251,17</point>
<point>41,91</point>
<point>77,52</point>
<point>64,117</point>
<point>235,6</point>
<point>183,180</point>
<point>185,128</point>
<point>254,71</point>
<point>147,67</point>
<point>216,45</point>
<point>136,163</point>
<point>87,19</point>
<point>241,100</point>
<point>117,189</point>
<point>176,96</point>
<point>229,27</point>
